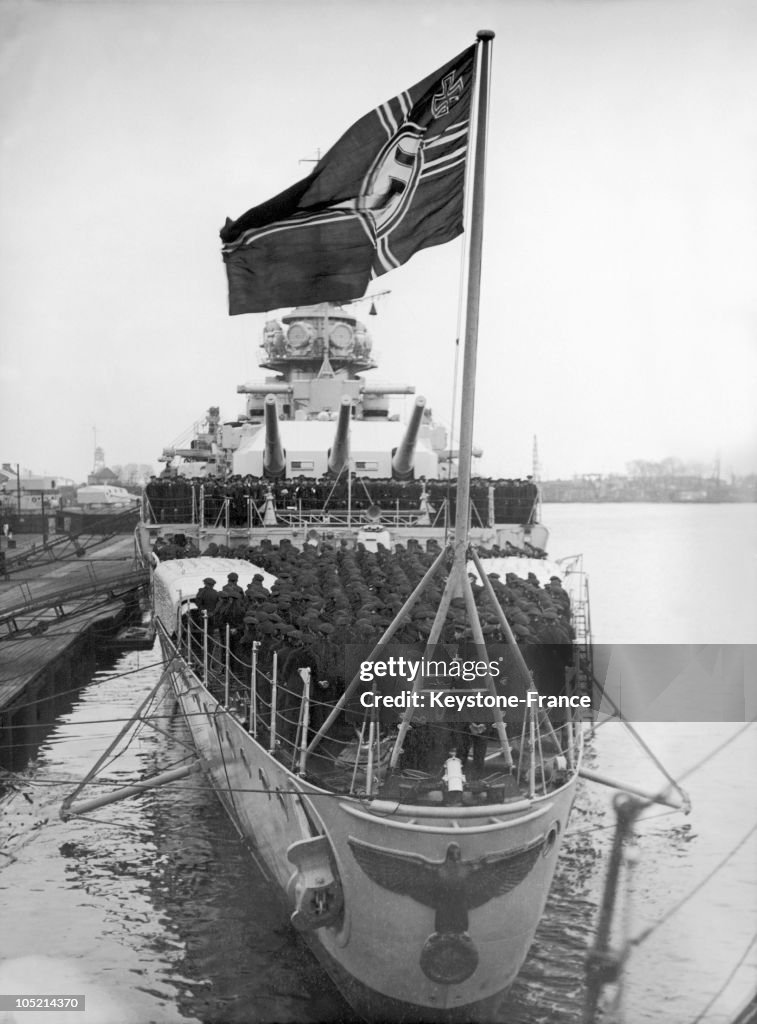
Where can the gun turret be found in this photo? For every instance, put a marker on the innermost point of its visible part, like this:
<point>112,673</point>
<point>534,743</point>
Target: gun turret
<point>404,455</point>
<point>340,450</point>
<point>274,463</point>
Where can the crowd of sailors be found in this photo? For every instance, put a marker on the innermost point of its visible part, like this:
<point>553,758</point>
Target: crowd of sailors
<point>327,596</point>
<point>328,591</point>
<point>173,498</point>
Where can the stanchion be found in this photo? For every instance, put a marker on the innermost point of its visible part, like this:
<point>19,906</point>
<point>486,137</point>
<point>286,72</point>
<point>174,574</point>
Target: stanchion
<point>205,647</point>
<point>254,689</point>
<point>274,698</point>
<point>226,673</point>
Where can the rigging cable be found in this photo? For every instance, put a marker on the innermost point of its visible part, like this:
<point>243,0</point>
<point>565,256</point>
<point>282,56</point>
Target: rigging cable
<point>139,722</point>
<point>235,817</point>
<point>726,983</point>
<point>646,932</point>
<point>642,743</point>
<point>13,708</point>
<point>722,746</point>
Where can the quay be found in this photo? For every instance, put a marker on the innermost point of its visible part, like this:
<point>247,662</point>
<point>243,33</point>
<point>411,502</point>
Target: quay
<point>55,605</point>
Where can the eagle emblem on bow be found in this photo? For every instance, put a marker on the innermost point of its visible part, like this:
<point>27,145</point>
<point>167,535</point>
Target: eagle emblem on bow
<point>451,887</point>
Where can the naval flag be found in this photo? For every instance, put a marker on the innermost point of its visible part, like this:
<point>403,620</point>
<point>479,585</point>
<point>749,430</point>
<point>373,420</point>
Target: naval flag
<point>393,184</point>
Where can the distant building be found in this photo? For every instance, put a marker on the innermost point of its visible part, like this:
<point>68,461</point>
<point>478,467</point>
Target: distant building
<point>27,500</point>
<point>103,475</point>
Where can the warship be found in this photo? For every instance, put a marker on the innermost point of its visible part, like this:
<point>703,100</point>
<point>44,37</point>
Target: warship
<point>386,690</point>
<point>416,875</point>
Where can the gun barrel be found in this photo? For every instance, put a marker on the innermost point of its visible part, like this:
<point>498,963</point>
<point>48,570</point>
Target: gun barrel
<point>340,450</point>
<point>274,463</point>
<point>264,388</point>
<point>404,456</point>
<point>389,389</point>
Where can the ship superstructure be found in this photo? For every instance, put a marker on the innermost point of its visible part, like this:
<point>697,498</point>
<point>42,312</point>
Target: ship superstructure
<point>319,446</point>
<point>318,412</point>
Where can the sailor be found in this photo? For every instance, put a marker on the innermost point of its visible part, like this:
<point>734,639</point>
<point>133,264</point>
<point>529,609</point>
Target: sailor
<point>232,586</point>
<point>479,742</point>
<point>207,597</point>
<point>230,612</point>
<point>323,698</point>
<point>206,600</point>
<point>256,591</point>
<point>557,592</point>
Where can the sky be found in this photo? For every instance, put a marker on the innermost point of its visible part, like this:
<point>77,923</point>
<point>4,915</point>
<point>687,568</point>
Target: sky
<point>618,297</point>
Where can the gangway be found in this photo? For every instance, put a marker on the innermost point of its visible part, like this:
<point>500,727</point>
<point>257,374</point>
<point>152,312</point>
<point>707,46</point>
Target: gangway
<point>107,587</point>
<point>70,546</point>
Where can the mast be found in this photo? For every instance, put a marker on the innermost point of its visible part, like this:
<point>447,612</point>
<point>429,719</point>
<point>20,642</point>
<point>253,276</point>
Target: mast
<point>470,351</point>
<point>457,581</point>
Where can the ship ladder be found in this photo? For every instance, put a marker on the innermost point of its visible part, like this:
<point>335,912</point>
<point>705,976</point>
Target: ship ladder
<point>582,628</point>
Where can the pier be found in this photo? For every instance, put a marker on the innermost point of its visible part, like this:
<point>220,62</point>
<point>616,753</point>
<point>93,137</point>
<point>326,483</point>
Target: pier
<point>56,603</point>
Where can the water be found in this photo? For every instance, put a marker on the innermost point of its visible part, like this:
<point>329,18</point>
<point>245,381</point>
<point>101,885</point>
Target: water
<point>156,908</point>
<point>664,574</point>
<point>157,912</point>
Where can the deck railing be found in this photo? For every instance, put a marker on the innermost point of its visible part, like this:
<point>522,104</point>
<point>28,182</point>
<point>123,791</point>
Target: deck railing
<point>214,511</point>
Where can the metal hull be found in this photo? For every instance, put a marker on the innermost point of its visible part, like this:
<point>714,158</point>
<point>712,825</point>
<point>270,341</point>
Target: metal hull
<point>379,951</point>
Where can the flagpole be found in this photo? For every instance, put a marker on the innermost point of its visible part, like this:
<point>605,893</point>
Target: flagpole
<point>456,580</point>
<point>468,390</point>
